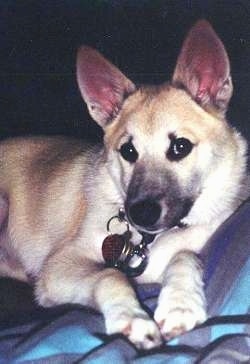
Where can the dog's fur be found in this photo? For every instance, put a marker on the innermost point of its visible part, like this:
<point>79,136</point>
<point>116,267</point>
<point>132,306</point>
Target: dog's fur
<point>57,194</point>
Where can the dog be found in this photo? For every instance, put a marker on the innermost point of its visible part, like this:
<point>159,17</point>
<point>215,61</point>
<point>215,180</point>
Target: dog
<point>169,162</point>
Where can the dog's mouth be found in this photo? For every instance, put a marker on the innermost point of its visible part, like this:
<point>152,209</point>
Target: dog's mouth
<point>158,229</point>
<point>150,217</point>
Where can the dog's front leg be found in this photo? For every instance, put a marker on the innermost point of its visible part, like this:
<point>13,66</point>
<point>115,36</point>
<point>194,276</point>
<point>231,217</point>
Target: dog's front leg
<point>181,303</point>
<point>122,311</point>
<point>69,277</point>
<point>174,263</point>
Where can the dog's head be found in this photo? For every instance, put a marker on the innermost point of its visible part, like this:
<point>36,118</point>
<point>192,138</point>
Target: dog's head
<point>162,142</point>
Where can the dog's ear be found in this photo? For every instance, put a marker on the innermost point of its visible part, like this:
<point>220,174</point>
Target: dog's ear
<point>203,68</point>
<point>102,85</point>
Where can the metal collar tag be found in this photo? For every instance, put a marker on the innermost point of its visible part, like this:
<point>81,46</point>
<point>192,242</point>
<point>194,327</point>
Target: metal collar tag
<point>119,252</point>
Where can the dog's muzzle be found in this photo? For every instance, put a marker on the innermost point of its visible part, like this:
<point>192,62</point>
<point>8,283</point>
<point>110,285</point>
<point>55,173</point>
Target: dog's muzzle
<point>153,216</point>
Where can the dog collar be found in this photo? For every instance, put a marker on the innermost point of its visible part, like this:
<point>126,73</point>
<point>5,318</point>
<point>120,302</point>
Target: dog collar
<point>119,252</point>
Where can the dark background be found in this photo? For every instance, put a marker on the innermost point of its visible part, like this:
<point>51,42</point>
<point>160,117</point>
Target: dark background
<point>39,40</point>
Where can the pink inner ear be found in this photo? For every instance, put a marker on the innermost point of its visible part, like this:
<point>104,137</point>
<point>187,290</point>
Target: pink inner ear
<point>210,68</point>
<point>99,85</point>
<point>104,96</point>
<point>203,59</point>
<point>206,86</point>
<point>102,85</point>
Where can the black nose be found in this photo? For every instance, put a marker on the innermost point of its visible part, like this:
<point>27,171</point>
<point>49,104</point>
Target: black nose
<point>145,213</point>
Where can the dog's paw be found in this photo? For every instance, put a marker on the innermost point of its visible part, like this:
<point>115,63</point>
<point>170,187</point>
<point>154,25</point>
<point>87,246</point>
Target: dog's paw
<point>179,312</point>
<point>138,327</point>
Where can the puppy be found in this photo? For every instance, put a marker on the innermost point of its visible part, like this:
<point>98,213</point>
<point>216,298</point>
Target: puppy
<point>170,162</point>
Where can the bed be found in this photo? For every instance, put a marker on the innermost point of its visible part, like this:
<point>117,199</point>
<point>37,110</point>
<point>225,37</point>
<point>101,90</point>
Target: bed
<point>76,334</point>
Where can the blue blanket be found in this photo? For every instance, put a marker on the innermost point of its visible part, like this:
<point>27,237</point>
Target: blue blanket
<point>74,334</point>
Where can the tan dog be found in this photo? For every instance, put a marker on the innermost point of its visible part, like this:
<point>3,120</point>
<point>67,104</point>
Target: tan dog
<point>169,158</point>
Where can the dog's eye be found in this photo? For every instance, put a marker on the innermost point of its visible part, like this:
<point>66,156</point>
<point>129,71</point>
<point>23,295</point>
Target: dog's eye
<point>128,152</point>
<point>179,148</point>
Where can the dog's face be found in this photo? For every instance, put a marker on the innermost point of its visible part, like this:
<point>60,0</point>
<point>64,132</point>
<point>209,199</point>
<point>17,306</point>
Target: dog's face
<point>162,141</point>
<point>160,150</point>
